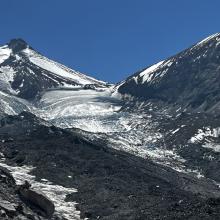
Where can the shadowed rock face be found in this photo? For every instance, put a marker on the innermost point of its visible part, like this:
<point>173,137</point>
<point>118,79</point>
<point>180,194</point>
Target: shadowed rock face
<point>190,78</point>
<point>17,45</point>
<point>13,207</point>
<point>33,79</point>
<point>37,199</point>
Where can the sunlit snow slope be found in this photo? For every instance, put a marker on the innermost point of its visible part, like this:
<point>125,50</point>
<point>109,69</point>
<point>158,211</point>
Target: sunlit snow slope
<point>58,69</point>
<point>26,73</point>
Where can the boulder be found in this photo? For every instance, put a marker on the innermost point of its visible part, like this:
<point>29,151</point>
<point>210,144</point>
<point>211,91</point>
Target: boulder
<point>6,177</point>
<point>8,207</point>
<point>37,198</point>
<point>89,86</point>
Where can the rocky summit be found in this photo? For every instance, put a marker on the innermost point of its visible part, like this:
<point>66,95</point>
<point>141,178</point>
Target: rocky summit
<point>73,147</point>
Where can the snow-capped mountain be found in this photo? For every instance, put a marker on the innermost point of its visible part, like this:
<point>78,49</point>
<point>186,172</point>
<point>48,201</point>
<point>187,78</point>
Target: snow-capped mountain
<point>26,73</point>
<point>182,96</point>
<point>146,148</point>
<point>189,79</point>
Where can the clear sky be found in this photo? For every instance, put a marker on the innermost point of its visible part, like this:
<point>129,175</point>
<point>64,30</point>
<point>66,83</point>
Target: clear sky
<point>108,39</point>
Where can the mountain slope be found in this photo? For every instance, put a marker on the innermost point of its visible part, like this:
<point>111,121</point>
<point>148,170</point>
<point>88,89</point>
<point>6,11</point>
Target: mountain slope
<point>26,73</point>
<point>146,148</point>
<point>109,184</point>
<point>189,79</point>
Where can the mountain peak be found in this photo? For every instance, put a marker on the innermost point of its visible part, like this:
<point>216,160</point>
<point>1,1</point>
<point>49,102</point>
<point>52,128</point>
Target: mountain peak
<point>173,80</point>
<point>17,45</point>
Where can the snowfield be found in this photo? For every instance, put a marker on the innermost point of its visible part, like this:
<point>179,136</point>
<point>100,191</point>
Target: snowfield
<point>12,105</point>
<point>89,110</point>
<point>152,73</point>
<point>98,112</point>
<point>146,74</point>
<point>55,193</point>
<point>58,69</point>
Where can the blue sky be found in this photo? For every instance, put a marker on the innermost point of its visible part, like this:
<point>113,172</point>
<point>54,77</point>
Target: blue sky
<point>108,39</point>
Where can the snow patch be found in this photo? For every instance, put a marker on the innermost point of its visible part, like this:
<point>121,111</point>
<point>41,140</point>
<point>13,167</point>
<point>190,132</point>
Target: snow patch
<point>207,39</point>
<point>146,74</point>
<point>175,131</point>
<point>5,53</point>
<point>22,84</point>
<point>80,108</point>
<point>149,75</point>
<point>56,193</point>
<point>206,132</point>
<point>214,146</point>
<point>7,74</point>
<point>59,69</point>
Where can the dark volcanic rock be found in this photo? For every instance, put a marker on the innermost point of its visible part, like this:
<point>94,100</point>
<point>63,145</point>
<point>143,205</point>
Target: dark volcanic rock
<point>17,45</point>
<point>190,78</point>
<point>33,79</point>
<point>10,208</point>
<point>11,205</point>
<point>197,157</point>
<point>111,184</point>
<point>37,198</point>
<point>30,78</point>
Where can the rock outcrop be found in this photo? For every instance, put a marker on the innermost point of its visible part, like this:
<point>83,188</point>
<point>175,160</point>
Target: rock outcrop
<point>12,206</point>
<point>37,198</point>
